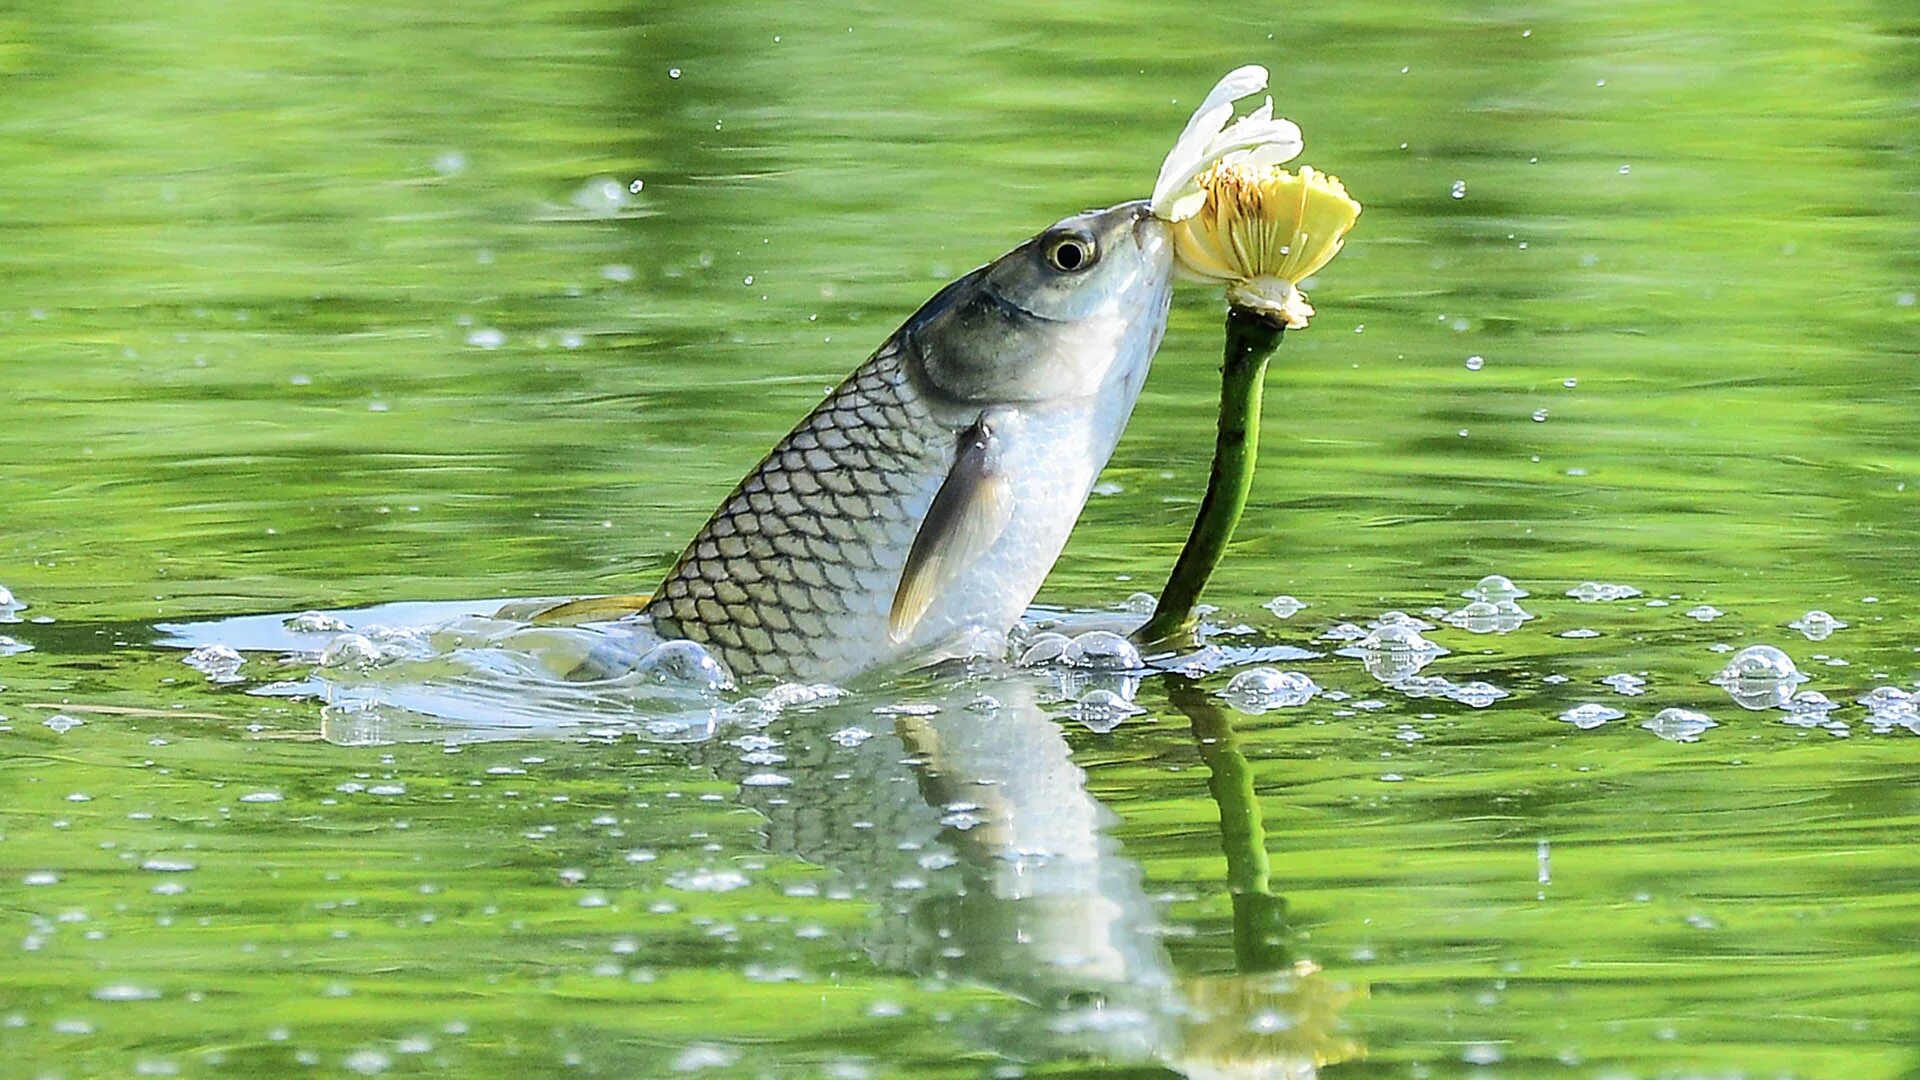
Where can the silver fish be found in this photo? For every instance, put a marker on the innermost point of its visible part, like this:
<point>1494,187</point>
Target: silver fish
<point>927,497</point>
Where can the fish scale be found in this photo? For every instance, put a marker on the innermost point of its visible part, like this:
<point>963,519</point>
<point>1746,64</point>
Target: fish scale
<point>829,512</point>
<point>923,502</point>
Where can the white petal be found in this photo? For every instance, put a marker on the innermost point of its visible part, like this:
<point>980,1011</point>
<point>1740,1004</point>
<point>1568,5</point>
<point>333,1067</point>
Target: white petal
<point>1188,157</point>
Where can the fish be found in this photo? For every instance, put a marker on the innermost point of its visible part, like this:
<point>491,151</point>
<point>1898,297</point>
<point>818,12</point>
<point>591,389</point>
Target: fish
<point>924,502</point>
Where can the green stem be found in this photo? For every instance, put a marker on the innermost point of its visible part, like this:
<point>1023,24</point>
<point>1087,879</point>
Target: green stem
<point>1251,340</point>
<point>1259,917</point>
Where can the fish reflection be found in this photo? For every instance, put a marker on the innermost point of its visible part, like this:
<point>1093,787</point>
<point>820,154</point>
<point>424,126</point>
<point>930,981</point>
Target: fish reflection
<point>964,820</point>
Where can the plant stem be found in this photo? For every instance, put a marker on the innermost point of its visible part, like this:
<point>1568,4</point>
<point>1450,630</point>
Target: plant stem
<point>1251,340</point>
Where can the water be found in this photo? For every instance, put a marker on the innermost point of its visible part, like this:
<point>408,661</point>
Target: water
<point>389,319</point>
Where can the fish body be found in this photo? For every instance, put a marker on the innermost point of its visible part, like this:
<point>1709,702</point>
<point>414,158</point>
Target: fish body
<point>925,500</point>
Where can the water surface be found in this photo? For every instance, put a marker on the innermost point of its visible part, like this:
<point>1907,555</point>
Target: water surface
<point>326,307</point>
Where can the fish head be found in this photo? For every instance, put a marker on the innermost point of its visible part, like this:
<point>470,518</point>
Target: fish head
<point>1072,311</point>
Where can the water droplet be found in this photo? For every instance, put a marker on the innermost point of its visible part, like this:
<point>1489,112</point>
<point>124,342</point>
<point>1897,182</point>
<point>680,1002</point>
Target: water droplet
<point>1284,607</point>
<point>1591,592</point>
<point>1263,689</point>
<point>673,73</point>
<point>1101,710</point>
<point>637,186</point>
<point>1045,648</point>
<point>219,663</point>
<point>1101,650</point>
<point>686,665</point>
<point>1590,715</point>
<point>1817,625</point>
<point>1760,677</point>
<point>1680,725</point>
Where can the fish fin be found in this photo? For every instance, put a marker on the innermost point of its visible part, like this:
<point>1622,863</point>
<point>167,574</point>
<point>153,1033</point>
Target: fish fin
<point>591,609</point>
<point>968,514</point>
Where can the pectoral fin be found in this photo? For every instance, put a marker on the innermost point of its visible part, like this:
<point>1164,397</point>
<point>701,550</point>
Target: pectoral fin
<point>968,514</point>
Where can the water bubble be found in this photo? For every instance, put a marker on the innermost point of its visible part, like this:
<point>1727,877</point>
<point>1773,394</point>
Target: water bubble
<point>1045,648</point>
<point>1704,613</point>
<point>1475,363</point>
<point>1263,689</point>
<point>1760,677</point>
<point>637,186</point>
<point>850,737</point>
<point>1101,710</point>
<point>1680,725</point>
<point>315,622</point>
<point>673,73</point>
<point>486,337</point>
<point>1459,189</point>
<point>1817,625</point>
<point>1397,636</point>
<point>61,723</point>
<point>1284,606</point>
<point>684,664</point>
<point>1476,695</point>
<point>1592,592</point>
<point>1494,587</point>
<point>1590,715</point>
<point>219,663</point>
<point>602,196</point>
<point>1539,416</point>
<point>1482,617</point>
<point>1101,650</point>
<point>706,880</point>
<point>1345,631</point>
<point>1625,683</point>
<point>6,596</point>
<point>1141,603</point>
<point>705,1055</point>
<point>13,646</point>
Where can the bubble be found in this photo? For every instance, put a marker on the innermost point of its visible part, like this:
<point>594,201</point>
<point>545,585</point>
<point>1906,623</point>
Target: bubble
<point>1590,715</point>
<point>6,596</point>
<point>1045,648</point>
<point>1704,613</point>
<point>1592,592</point>
<point>1263,689</point>
<point>219,663</point>
<point>1476,695</point>
<point>686,665</point>
<point>351,652</point>
<point>1483,617</point>
<point>1101,650</point>
<point>13,646</point>
<point>1539,416</point>
<point>850,737</point>
<point>61,723</point>
<point>602,196</point>
<point>673,73</point>
<point>1345,631</point>
<point>315,622</point>
<point>1284,606</point>
<point>1680,725</point>
<point>1625,683</point>
<point>707,880</point>
<point>1475,363</point>
<point>486,337</point>
<point>1142,603</point>
<point>1459,189</point>
<point>1101,710</point>
<point>1397,636</point>
<point>1817,625</point>
<point>1494,587</point>
<point>1760,677</point>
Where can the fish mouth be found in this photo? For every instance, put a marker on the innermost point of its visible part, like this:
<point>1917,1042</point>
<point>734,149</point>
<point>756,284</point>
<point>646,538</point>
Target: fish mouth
<point>1149,231</point>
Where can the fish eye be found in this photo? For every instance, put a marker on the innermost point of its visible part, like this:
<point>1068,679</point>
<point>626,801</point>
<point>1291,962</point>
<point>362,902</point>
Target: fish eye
<point>1070,253</point>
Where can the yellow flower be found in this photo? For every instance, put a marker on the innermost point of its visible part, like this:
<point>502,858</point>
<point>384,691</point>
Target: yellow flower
<point>1241,219</point>
<point>1262,230</point>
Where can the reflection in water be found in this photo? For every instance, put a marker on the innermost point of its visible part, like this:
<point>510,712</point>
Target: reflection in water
<point>958,813</point>
<point>965,821</point>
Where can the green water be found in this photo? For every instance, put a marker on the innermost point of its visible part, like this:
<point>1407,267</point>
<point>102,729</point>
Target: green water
<point>319,306</point>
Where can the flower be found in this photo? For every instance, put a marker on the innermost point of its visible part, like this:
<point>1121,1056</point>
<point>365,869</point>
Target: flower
<point>1241,219</point>
<point>1262,230</point>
